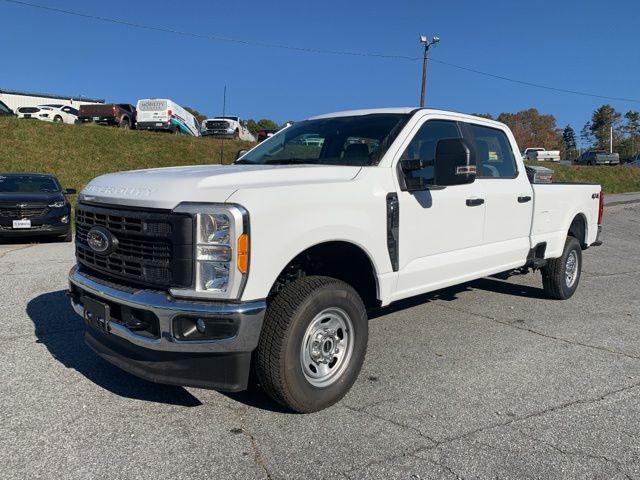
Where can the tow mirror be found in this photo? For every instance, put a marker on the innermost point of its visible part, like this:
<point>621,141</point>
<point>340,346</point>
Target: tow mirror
<point>70,191</point>
<point>455,163</point>
<point>241,153</point>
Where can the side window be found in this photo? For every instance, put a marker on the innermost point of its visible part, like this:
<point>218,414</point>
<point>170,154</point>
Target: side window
<point>494,155</point>
<point>424,143</point>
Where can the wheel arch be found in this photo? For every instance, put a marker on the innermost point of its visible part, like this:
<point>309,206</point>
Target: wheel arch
<point>341,259</point>
<point>578,228</point>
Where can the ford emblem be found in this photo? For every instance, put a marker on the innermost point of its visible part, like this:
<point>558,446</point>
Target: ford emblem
<point>101,241</point>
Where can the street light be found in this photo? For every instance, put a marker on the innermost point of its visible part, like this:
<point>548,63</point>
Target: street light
<point>427,43</point>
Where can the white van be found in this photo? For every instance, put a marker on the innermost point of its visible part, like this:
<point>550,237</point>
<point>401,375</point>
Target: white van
<point>164,114</point>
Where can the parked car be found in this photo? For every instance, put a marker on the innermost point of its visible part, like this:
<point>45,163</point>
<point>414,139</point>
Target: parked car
<point>201,272</point>
<point>5,111</point>
<point>634,161</point>
<point>50,113</point>
<point>121,114</point>
<point>227,127</point>
<point>165,115</point>
<point>266,133</point>
<point>598,157</point>
<point>59,113</point>
<point>541,155</point>
<point>28,112</point>
<point>34,204</point>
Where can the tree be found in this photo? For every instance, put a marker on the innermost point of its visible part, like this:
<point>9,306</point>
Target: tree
<point>199,116</point>
<point>632,128</point>
<point>262,124</point>
<point>533,129</point>
<point>603,119</point>
<point>569,140</point>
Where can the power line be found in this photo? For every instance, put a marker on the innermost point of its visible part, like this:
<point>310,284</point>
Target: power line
<point>222,38</point>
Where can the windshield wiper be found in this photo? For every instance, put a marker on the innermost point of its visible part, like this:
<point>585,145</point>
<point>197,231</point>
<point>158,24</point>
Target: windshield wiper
<point>291,161</point>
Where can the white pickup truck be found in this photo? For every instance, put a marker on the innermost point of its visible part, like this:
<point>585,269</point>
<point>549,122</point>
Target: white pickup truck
<point>541,155</point>
<point>195,275</point>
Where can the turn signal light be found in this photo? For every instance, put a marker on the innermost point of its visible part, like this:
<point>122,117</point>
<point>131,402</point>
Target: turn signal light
<point>242,259</point>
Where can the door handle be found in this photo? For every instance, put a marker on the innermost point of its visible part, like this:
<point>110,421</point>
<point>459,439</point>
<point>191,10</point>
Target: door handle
<point>524,199</point>
<point>474,202</point>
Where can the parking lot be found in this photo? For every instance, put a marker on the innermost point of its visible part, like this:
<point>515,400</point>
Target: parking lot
<point>485,380</point>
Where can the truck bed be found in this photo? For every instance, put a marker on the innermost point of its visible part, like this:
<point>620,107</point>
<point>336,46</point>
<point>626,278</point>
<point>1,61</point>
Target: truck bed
<point>554,209</point>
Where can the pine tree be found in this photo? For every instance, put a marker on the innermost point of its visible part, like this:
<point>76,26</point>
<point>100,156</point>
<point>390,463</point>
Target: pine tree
<point>569,140</point>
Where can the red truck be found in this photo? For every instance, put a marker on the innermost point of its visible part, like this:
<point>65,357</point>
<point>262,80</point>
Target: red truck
<point>121,114</point>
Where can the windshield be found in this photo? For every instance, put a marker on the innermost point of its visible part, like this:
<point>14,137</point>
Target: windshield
<point>28,184</point>
<point>355,141</point>
<point>4,108</point>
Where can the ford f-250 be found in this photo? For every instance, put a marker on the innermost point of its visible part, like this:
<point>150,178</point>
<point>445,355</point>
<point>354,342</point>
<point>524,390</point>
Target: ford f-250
<point>197,275</point>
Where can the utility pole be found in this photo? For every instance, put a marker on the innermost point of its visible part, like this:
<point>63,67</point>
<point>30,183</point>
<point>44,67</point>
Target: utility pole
<point>426,43</point>
<point>611,139</point>
<point>224,108</point>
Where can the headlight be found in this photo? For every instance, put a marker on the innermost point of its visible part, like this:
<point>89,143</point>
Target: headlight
<point>221,250</point>
<point>57,204</point>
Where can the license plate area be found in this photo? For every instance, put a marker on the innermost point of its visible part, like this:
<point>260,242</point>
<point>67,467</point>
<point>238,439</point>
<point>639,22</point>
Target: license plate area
<point>17,224</point>
<point>96,314</point>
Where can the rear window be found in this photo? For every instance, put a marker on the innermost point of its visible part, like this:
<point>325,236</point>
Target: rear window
<point>494,156</point>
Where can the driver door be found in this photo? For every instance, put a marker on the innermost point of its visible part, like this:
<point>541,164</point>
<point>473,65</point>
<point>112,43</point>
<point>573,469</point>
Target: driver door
<point>441,229</point>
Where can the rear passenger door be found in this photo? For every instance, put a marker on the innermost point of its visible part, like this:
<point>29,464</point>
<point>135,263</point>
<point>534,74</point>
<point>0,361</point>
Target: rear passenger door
<point>508,197</point>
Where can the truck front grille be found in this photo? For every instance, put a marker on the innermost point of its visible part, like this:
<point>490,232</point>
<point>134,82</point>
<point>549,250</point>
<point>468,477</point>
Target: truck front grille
<point>216,125</point>
<point>153,249</point>
<point>17,212</point>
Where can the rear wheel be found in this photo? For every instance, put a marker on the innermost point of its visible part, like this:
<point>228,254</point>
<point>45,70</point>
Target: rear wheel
<point>560,277</point>
<point>313,343</point>
<point>57,118</point>
<point>124,124</point>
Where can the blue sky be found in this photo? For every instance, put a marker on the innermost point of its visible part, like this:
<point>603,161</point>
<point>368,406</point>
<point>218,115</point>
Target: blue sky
<point>590,46</point>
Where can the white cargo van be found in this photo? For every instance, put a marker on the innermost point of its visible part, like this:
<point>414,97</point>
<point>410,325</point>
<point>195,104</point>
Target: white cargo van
<point>164,114</point>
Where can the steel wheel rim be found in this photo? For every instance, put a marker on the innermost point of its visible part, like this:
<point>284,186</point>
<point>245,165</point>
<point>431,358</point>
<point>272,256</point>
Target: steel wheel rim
<point>327,347</point>
<point>571,269</point>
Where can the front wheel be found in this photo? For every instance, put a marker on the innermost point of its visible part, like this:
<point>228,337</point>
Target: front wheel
<point>560,277</point>
<point>57,119</point>
<point>313,343</point>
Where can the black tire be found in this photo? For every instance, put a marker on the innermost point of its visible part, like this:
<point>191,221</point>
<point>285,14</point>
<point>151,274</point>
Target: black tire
<point>124,124</point>
<point>236,134</point>
<point>68,237</point>
<point>278,358</point>
<point>554,273</point>
<point>57,118</point>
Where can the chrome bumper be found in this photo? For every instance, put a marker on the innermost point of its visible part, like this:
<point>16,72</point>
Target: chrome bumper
<point>249,316</point>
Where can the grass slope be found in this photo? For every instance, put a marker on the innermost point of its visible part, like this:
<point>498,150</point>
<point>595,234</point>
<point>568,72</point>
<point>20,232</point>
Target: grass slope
<point>78,153</point>
<point>615,179</point>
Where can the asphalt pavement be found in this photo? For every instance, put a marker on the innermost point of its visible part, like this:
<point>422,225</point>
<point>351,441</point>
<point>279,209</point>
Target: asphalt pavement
<point>486,380</point>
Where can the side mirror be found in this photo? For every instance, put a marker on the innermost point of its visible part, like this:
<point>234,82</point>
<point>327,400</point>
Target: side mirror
<point>455,163</point>
<point>70,191</point>
<point>241,153</point>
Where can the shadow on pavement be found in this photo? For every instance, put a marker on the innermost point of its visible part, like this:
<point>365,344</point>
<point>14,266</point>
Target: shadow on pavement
<point>61,330</point>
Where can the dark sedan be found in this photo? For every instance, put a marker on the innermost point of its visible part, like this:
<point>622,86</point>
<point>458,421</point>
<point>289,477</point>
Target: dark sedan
<point>34,204</point>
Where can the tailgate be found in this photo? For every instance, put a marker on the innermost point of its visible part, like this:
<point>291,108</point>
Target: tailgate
<point>96,110</point>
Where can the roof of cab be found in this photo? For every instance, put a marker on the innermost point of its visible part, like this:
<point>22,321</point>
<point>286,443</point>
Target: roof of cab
<point>401,110</point>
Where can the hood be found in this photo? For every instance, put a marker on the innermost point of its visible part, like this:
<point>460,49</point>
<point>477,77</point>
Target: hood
<point>167,187</point>
<point>34,197</point>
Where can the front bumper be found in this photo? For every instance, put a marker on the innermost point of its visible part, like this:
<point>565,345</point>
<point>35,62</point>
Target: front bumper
<point>219,133</point>
<point>48,225</point>
<point>221,364</point>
